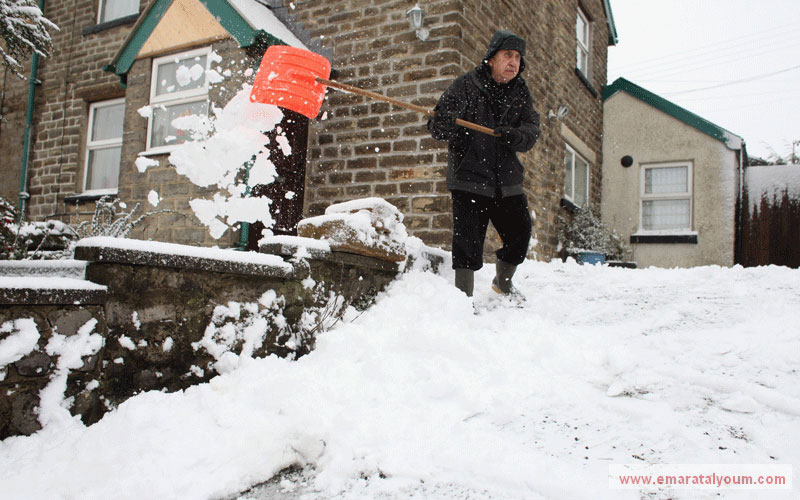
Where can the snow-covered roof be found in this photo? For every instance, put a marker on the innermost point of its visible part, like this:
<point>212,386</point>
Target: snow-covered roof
<point>248,21</point>
<point>260,17</point>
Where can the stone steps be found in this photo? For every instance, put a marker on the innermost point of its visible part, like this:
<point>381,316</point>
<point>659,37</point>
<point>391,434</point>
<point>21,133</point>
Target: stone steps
<point>74,269</point>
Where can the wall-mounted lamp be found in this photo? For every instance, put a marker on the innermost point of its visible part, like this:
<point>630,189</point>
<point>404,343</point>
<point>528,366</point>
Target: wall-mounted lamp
<point>415,16</point>
<point>562,112</point>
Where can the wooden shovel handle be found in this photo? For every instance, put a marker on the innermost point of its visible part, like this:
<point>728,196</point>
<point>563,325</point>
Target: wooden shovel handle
<point>413,107</point>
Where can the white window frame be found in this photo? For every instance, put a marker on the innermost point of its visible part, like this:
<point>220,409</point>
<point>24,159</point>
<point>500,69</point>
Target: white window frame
<point>644,197</point>
<point>569,191</point>
<point>98,145</point>
<point>583,52</point>
<point>171,99</point>
<point>101,8</point>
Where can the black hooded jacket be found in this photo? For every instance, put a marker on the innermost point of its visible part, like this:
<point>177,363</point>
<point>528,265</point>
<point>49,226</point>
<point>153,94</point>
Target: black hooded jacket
<point>480,163</point>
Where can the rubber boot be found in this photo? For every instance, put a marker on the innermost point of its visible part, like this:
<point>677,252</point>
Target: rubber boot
<point>502,282</point>
<point>465,280</point>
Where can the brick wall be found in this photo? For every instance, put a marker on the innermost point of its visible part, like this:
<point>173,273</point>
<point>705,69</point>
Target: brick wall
<point>72,78</point>
<point>364,147</point>
<point>14,98</point>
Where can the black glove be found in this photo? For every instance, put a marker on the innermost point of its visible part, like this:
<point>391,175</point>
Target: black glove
<point>445,120</point>
<point>508,135</point>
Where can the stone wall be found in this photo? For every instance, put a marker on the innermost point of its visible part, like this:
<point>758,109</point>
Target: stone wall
<point>167,314</point>
<point>22,382</point>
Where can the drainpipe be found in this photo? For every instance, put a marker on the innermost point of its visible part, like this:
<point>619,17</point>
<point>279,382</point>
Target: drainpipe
<point>740,208</point>
<point>23,176</point>
<point>244,227</point>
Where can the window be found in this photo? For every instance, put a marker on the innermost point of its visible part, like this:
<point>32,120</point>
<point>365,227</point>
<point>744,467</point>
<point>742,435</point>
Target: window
<point>667,197</point>
<point>583,30</point>
<point>179,88</point>
<point>115,9</point>
<point>103,146</point>
<point>576,178</point>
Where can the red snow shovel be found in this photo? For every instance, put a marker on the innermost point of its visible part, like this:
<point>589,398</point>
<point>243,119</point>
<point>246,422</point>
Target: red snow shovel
<point>295,79</point>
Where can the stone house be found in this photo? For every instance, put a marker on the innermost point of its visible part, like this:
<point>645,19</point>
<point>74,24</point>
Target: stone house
<point>671,180</point>
<point>86,130</point>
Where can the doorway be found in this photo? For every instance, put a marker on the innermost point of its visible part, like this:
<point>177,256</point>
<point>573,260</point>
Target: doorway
<point>287,190</point>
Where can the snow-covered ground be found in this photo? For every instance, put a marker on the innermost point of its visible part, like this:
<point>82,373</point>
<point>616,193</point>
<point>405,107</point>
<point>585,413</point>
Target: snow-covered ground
<point>420,398</point>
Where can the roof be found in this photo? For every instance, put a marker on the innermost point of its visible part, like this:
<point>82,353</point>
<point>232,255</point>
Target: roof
<point>612,28</point>
<point>728,138</point>
<point>248,21</point>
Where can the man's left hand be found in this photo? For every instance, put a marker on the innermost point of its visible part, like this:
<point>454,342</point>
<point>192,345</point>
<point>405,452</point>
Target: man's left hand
<point>508,135</point>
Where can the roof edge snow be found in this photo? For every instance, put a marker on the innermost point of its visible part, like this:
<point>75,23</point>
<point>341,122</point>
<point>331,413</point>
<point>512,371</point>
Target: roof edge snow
<point>247,21</point>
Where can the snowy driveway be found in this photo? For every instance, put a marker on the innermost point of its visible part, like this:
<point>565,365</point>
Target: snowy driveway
<point>421,398</point>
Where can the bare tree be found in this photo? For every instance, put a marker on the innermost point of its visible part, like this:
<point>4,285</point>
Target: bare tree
<point>23,31</point>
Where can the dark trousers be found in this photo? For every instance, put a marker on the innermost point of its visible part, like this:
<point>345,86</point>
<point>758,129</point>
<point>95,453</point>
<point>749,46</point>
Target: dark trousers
<point>471,216</point>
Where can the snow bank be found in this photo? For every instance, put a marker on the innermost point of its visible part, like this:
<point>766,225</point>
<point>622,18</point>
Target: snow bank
<point>420,398</point>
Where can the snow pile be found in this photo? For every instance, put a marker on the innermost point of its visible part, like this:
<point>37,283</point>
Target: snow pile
<point>239,330</point>
<point>369,223</point>
<point>420,398</point>
<point>385,220</point>
<point>30,229</point>
<point>258,17</point>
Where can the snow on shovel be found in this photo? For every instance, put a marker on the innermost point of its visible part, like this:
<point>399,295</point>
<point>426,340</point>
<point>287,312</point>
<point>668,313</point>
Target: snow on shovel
<point>295,79</point>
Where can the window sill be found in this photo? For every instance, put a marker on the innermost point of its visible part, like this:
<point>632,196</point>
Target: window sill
<point>162,150</point>
<point>88,197</point>
<point>676,238</point>
<point>569,206</point>
<point>110,24</point>
<point>586,83</point>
